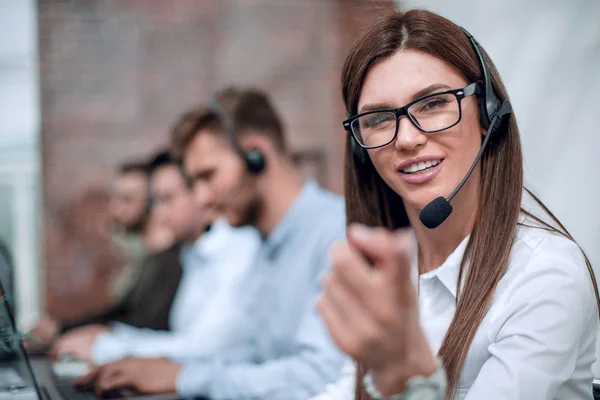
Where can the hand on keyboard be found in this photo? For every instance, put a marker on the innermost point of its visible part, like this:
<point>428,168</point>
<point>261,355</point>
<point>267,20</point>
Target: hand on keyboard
<point>145,375</point>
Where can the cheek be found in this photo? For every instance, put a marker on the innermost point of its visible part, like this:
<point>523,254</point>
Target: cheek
<point>162,216</point>
<point>462,147</point>
<point>230,180</point>
<point>383,161</point>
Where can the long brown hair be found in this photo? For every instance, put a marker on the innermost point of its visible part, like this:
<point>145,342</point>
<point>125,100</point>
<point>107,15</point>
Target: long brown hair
<point>371,202</point>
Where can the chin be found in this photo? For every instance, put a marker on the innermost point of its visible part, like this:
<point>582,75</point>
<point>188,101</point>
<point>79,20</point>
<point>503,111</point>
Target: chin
<point>233,219</point>
<point>420,198</point>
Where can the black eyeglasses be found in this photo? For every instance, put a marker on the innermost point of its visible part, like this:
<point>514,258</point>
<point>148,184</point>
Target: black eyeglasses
<point>432,113</point>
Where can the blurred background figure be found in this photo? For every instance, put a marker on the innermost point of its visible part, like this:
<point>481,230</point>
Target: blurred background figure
<point>146,236</point>
<point>130,209</point>
<point>81,256</point>
<point>157,236</point>
<point>79,98</point>
<point>200,310</point>
<point>98,240</point>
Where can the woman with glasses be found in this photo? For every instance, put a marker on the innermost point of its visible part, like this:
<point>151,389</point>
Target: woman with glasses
<point>505,303</point>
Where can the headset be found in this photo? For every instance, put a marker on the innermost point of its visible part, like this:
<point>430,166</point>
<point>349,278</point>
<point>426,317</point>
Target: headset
<point>492,111</point>
<point>492,106</point>
<point>254,159</point>
<point>489,105</point>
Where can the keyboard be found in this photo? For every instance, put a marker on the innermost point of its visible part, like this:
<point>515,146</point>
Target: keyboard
<point>68,392</point>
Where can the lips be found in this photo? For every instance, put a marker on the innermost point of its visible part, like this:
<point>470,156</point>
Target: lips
<point>420,166</point>
<point>421,170</point>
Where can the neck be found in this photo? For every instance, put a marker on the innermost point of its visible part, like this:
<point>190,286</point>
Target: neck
<point>280,186</point>
<point>435,245</point>
<point>197,233</point>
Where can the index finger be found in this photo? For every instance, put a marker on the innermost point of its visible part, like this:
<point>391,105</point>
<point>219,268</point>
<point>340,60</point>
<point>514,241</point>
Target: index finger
<point>390,251</point>
<point>55,349</point>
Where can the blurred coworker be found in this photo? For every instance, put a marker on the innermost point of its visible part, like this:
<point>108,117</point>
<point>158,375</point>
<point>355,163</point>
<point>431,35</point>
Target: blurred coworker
<point>157,235</point>
<point>213,264</point>
<point>129,208</point>
<point>148,303</point>
<point>236,157</point>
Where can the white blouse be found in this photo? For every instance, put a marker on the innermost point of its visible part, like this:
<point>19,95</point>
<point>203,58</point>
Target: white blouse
<point>537,341</point>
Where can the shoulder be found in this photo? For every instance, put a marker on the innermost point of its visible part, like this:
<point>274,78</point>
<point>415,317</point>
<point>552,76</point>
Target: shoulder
<point>325,216</point>
<point>538,248</point>
<point>223,236</point>
<point>170,253</point>
<point>320,223</point>
<point>547,266</point>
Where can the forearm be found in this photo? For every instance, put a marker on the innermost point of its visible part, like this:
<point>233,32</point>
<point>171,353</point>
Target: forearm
<point>299,377</point>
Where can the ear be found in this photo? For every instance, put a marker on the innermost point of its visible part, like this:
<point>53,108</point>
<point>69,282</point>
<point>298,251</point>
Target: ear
<point>256,141</point>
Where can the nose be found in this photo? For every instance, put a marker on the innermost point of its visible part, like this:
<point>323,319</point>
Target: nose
<point>409,137</point>
<point>203,196</point>
<point>161,213</point>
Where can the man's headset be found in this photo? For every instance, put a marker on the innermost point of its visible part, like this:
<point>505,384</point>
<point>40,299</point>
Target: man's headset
<point>492,111</point>
<point>254,159</point>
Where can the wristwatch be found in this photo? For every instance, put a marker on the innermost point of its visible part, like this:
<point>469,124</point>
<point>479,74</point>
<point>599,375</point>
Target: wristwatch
<point>416,388</point>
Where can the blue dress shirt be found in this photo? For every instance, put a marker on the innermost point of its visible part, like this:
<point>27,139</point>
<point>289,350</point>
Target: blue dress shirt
<point>287,353</point>
<point>204,316</point>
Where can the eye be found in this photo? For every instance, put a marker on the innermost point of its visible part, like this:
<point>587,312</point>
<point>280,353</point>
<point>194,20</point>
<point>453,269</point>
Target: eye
<point>377,120</point>
<point>203,176</point>
<point>433,103</point>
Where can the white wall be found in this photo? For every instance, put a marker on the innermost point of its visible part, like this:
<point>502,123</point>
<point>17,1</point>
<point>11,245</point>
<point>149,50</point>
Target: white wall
<point>19,149</point>
<point>548,53</point>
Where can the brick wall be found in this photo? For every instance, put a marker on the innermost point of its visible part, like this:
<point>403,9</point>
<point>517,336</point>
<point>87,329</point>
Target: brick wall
<point>115,74</point>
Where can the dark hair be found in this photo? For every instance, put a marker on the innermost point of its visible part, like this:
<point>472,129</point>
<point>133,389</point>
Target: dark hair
<point>161,159</point>
<point>370,201</point>
<point>132,166</point>
<point>246,109</point>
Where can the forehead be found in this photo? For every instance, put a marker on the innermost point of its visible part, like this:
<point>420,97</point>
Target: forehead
<point>167,177</point>
<point>396,79</point>
<point>206,150</point>
<point>131,180</point>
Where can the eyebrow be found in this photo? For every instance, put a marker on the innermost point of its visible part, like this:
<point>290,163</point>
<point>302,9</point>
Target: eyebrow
<point>435,87</point>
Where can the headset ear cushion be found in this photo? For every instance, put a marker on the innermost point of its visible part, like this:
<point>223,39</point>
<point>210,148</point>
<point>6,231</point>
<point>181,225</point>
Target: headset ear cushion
<point>255,161</point>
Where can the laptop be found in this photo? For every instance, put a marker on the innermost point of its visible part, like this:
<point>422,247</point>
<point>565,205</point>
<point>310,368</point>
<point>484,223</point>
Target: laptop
<point>18,380</point>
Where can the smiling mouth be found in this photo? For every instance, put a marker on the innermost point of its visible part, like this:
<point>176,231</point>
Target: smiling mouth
<point>420,167</point>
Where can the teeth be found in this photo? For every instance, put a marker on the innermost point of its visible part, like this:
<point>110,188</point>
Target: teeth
<point>416,167</point>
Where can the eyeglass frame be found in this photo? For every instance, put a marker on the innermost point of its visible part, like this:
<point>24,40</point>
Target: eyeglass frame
<point>460,94</point>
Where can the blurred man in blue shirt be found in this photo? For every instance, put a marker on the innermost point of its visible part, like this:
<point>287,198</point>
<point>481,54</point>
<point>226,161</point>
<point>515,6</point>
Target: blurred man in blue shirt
<point>235,156</point>
<point>202,317</point>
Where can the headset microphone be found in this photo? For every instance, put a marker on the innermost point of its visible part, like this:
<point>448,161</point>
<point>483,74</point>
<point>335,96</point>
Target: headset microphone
<point>492,110</point>
<point>440,208</point>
